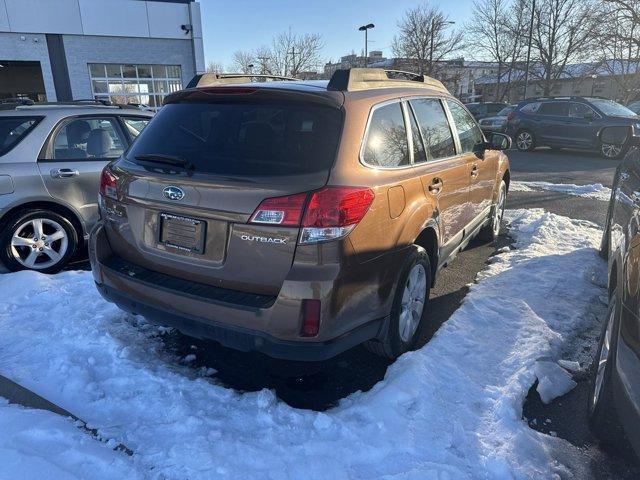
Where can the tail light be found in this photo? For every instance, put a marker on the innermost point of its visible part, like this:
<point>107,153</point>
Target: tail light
<point>310,318</point>
<point>326,214</point>
<point>108,183</point>
<point>511,115</point>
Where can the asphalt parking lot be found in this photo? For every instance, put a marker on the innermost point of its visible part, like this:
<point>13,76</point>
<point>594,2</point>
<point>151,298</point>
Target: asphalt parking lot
<point>322,386</point>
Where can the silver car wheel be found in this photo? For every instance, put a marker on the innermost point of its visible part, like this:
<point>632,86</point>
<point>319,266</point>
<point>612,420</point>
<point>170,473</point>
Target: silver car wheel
<point>39,243</point>
<point>611,151</point>
<point>412,305</point>
<point>604,358</point>
<point>524,141</point>
<point>499,211</point>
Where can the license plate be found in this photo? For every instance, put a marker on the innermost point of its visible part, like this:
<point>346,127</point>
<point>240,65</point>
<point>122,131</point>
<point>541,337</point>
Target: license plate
<point>182,233</point>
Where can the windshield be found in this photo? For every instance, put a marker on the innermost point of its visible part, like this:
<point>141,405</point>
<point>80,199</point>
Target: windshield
<point>14,129</point>
<point>244,139</point>
<point>609,107</point>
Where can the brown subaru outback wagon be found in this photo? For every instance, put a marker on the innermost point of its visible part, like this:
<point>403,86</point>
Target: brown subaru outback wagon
<point>298,219</point>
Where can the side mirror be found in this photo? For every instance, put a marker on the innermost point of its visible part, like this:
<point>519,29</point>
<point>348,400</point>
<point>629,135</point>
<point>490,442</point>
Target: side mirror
<point>625,136</point>
<point>498,141</point>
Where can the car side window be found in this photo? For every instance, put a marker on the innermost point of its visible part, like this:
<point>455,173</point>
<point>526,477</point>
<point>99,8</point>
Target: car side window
<point>386,142</point>
<point>434,127</point>
<point>580,110</point>
<point>469,133</point>
<point>87,138</point>
<point>557,109</point>
<point>135,125</point>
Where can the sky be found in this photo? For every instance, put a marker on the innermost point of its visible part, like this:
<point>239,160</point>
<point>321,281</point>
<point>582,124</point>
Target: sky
<point>231,25</point>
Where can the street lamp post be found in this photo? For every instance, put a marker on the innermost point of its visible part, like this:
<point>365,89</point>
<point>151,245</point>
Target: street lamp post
<point>432,39</point>
<point>593,82</point>
<point>365,29</point>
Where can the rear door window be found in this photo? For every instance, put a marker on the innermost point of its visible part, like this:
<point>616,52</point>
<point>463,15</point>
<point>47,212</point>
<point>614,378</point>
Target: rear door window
<point>13,130</point>
<point>556,109</point>
<point>469,133</point>
<point>87,138</point>
<point>434,127</point>
<point>386,142</point>
<point>243,138</point>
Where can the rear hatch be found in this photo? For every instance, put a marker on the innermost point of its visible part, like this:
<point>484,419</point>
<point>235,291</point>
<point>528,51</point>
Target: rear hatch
<point>189,185</point>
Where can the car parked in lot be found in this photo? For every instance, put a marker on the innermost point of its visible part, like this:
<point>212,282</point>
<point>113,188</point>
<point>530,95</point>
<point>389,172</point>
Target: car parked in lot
<point>614,402</point>
<point>497,123</point>
<point>297,218</point>
<point>568,122</point>
<point>482,110</point>
<point>51,156</point>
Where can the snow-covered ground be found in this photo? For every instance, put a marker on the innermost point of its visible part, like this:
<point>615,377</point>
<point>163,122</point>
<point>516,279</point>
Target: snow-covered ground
<point>452,410</point>
<point>595,190</point>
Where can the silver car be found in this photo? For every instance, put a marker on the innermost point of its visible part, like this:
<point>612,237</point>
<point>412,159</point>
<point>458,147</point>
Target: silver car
<point>51,158</point>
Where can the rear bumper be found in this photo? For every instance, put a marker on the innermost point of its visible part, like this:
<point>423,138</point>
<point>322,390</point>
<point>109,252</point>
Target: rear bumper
<point>239,320</point>
<point>242,339</point>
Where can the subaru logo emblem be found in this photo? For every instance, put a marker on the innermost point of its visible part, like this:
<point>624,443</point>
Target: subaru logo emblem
<point>173,193</point>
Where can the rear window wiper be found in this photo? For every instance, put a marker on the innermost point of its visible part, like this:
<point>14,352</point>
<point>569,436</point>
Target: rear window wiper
<point>165,160</point>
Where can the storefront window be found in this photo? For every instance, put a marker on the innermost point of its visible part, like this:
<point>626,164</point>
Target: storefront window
<point>146,84</point>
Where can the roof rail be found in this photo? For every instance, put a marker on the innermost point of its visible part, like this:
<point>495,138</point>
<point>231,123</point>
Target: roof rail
<point>566,97</point>
<point>354,79</point>
<point>78,103</point>
<point>211,79</point>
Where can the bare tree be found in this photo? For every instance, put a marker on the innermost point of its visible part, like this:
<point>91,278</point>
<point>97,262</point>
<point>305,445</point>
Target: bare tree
<point>497,33</point>
<point>619,45</point>
<point>291,53</point>
<point>215,67</point>
<point>424,38</point>
<point>563,33</point>
<point>243,62</point>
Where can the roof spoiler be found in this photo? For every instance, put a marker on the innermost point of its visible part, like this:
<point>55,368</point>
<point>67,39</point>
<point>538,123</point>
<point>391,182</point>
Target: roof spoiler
<point>355,79</point>
<point>217,79</point>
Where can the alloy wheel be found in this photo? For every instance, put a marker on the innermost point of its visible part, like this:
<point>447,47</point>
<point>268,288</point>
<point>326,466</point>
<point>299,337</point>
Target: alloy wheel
<point>611,151</point>
<point>524,141</point>
<point>39,243</point>
<point>499,211</point>
<point>603,359</point>
<point>412,305</point>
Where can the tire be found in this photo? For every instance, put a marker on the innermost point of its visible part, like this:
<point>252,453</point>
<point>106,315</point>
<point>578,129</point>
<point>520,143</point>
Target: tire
<point>402,334</point>
<point>491,231</point>
<point>20,249</point>
<point>525,140</point>
<point>603,420</point>
<point>611,152</point>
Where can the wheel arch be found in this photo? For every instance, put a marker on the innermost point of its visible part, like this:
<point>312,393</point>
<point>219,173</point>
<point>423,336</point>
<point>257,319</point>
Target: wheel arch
<point>58,208</point>
<point>428,239</point>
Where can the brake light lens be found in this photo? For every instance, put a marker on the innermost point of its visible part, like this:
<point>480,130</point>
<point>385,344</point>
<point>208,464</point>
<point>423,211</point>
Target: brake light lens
<point>108,183</point>
<point>283,211</point>
<point>326,214</point>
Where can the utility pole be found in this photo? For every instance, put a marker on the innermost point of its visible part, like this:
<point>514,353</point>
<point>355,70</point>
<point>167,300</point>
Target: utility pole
<point>263,65</point>
<point>526,73</point>
<point>293,61</point>
<point>365,29</point>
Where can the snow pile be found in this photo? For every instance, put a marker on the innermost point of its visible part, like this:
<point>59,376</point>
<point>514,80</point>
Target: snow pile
<point>595,190</point>
<point>36,444</point>
<point>451,410</point>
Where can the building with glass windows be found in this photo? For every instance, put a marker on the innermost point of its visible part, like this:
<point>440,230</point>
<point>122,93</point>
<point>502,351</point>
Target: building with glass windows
<point>126,51</point>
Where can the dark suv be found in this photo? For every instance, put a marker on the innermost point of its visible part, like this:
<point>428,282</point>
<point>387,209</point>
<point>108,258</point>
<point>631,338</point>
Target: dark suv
<point>568,122</point>
<point>297,218</point>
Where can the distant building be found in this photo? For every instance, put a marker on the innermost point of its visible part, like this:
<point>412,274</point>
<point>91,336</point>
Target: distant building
<point>126,51</point>
<point>601,79</point>
<point>353,61</point>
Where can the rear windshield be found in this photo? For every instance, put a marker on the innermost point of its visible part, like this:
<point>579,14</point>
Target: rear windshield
<point>14,129</point>
<point>243,139</point>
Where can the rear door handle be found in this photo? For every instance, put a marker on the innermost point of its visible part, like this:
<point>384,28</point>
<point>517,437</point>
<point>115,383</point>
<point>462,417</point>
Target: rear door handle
<point>474,170</point>
<point>435,187</point>
<point>64,173</point>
